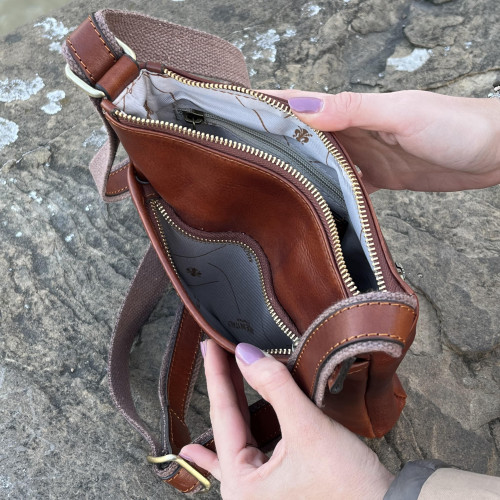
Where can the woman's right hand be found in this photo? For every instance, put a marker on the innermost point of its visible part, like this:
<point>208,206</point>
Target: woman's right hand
<point>316,457</point>
<point>410,139</point>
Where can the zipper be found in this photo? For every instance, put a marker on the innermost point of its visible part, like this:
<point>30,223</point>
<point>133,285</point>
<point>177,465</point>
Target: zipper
<point>358,194</point>
<point>332,194</point>
<point>159,211</point>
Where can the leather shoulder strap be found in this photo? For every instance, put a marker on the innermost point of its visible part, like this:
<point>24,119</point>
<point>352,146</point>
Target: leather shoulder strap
<point>94,48</point>
<point>180,366</point>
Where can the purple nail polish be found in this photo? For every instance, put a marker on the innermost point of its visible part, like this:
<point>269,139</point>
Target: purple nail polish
<point>203,348</point>
<point>306,104</point>
<point>187,458</point>
<point>248,353</point>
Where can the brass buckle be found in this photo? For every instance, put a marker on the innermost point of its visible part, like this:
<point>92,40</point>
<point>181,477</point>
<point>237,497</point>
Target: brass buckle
<point>91,91</point>
<point>178,460</point>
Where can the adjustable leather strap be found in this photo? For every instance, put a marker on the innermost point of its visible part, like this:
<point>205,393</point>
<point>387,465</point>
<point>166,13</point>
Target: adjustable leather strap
<point>92,50</point>
<point>178,374</point>
<point>311,362</point>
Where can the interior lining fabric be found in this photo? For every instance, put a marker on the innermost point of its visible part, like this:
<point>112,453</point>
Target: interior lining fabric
<point>155,97</point>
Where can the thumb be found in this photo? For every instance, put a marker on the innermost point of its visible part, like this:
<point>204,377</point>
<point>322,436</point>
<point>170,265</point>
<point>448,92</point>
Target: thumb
<point>272,380</point>
<point>333,112</point>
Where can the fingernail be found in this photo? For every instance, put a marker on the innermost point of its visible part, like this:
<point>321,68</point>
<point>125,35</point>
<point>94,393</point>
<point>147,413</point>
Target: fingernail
<point>185,457</point>
<point>203,348</point>
<point>306,104</point>
<point>248,353</point>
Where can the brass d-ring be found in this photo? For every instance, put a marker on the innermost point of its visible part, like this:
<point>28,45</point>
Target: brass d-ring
<point>178,460</point>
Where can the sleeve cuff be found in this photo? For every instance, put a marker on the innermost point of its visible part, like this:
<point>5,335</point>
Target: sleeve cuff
<point>410,479</point>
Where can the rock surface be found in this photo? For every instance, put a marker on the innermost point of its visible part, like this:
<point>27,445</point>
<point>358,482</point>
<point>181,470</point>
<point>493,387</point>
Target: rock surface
<point>66,258</point>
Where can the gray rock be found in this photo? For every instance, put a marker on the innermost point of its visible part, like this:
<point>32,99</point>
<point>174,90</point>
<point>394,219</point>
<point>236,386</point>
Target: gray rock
<point>428,30</point>
<point>439,2</point>
<point>66,258</point>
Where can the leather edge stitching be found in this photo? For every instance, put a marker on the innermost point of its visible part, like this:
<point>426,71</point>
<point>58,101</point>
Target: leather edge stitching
<point>304,348</point>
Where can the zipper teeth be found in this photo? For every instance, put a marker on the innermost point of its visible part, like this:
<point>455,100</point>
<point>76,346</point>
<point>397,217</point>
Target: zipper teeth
<point>333,151</point>
<point>159,208</point>
<point>332,226</point>
<point>295,156</point>
<point>360,202</point>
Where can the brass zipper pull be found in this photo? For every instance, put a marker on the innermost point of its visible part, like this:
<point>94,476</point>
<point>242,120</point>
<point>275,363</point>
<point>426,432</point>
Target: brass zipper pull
<point>193,117</point>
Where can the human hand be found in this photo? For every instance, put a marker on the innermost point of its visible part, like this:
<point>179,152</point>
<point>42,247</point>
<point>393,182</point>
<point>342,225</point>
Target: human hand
<point>315,458</point>
<point>411,139</point>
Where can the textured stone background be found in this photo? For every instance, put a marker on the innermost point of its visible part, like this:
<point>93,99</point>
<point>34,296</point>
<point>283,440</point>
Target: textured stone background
<point>66,258</point>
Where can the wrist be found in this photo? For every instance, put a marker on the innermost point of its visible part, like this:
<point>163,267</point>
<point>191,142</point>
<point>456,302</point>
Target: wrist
<point>383,485</point>
<point>495,107</point>
<point>484,123</point>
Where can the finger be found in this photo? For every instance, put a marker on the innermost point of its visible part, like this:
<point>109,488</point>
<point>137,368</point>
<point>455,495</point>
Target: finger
<point>272,380</point>
<point>203,457</point>
<point>229,425</point>
<point>369,111</point>
<point>239,386</point>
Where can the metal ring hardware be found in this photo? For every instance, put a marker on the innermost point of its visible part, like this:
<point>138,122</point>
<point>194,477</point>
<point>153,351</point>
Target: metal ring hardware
<point>91,91</point>
<point>178,460</point>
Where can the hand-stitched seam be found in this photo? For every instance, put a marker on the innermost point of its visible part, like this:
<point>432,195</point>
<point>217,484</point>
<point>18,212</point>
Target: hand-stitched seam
<point>170,381</point>
<point>186,387</point>
<point>81,61</point>
<point>102,39</point>
<point>192,487</point>
<point>177,416</point>
<point>344,341</point>
<point>119,170</point>
<point>304,348</point>
<point>173,478</point>
<point>329,252</point>
<point>121,190</point>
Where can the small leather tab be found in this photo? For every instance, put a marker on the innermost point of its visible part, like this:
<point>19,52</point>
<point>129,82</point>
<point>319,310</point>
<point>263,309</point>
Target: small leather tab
<point>121,74</point>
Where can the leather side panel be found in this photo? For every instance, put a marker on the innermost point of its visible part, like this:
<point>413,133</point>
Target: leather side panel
<point>372,398</point>
<point>348,406</point>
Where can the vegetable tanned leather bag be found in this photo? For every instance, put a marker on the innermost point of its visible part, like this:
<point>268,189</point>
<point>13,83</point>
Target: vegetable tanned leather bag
<point>260,222</point>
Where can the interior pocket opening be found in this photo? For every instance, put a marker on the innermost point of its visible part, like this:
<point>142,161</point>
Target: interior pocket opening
<point>228,279</point>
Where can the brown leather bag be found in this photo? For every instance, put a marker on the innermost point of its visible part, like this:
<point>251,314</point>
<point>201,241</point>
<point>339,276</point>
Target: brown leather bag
<point>261,223</point>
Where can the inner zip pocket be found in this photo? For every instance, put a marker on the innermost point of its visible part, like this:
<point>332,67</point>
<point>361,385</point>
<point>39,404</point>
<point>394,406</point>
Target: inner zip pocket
<point>323,180</point>
<point>228,279</point>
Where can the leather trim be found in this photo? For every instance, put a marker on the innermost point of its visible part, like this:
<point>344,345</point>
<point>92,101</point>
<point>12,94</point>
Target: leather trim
<point>117,181</point>
<point>90,50</point>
